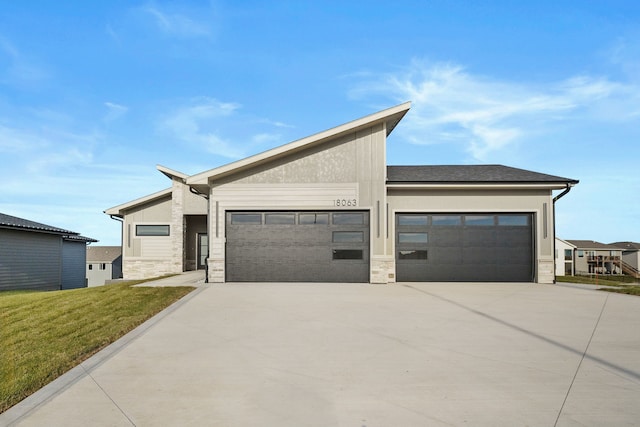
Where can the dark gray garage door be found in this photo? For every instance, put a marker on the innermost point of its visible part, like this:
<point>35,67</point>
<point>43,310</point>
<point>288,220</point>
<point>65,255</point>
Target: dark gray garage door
<point>297,246</point>
<point>464,247</point>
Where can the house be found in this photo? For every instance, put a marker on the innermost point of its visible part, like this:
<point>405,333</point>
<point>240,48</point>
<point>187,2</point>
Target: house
<point>36,256</point>
<point>327,208</point>
<point>104,263</point>
<point>591,257</point>
<point>564,258</point>
<point>630,258</point>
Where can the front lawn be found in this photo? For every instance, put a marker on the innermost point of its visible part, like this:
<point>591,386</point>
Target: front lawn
<point>44,334</point>
<point>619,284</point>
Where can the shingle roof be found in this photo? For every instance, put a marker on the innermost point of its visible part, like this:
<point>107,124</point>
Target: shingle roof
<point>472,174</point>
<point>627,245</point>
<point>591,244</point>
<point>103,253</point>
<point>9,221</point>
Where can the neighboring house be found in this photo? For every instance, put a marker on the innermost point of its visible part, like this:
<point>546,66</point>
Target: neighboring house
<point>592,257</point>
<point>103,263</point>
<point>630,257</point>
<point>36,256</point>
<point>564,258</point>
<point>327,208</point>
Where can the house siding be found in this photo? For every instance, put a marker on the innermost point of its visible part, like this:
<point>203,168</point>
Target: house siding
<point>30,260</point>
<point>74,255</point>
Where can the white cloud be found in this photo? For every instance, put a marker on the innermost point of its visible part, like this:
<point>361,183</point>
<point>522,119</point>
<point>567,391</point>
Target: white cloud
<point>177,24</point>
<point>196,125</point>
<point>19,69</point>
<point>114,111</point>
<point>485,115</point>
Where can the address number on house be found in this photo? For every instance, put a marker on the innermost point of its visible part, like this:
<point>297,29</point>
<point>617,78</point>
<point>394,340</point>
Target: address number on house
<point>346,202</point>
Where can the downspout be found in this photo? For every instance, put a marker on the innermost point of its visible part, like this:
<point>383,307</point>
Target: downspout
<point>555,199</point>
<point>206,197</point>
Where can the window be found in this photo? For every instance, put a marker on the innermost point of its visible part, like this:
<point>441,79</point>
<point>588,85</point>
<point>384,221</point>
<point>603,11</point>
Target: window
<point>280,218</point>
<point>513,220</point>
<point>412,254</point>
<point>568,254</point>
<point>152,230</point>
<point>103,266</point>
<point>412,237</point>
<point>580,253</point>
<point>313,218</point>
<point>445,220</point>
<point>352,218</point>
<point>90,266</point>
<point>246,218</point>
<point>478,220</point>
<point>348,236</point>
<point>412,219</point>
<point>347,254</point>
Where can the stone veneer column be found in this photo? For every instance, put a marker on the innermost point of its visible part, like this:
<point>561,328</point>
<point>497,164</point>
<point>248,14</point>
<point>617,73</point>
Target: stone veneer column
<point>383,269</point>
<point>177,226</point>
<point>546,273</point>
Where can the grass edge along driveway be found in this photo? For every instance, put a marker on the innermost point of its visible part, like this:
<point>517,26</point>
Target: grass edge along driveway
<point>45,334</point>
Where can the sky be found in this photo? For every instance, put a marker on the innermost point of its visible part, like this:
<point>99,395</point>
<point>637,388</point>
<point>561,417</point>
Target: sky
<point>94,95</point>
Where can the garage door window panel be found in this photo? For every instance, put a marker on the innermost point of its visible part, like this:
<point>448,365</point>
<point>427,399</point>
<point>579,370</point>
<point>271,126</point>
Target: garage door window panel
<point>347,254</point>
<point>513,220</point>
<point>246,219</point>
<point>479,220</point>
<point>348,237</point>
<point>280,219</point>
<point>413,255</point>
<point>413,237</point>
<point>413,220</point>
<point>446,220</point>
<point>348,219</point>
<point>313,219</point>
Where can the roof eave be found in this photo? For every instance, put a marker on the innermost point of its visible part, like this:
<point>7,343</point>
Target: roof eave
<point>476,185</point>
<point>118,210</point>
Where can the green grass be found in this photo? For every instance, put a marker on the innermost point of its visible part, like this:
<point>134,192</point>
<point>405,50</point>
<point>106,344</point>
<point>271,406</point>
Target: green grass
<point>621,284</point>
<point>44,334</point>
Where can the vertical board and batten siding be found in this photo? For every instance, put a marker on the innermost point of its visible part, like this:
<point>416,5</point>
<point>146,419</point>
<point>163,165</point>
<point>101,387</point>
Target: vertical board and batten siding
<point>30,260</point>
<point>74,256</point>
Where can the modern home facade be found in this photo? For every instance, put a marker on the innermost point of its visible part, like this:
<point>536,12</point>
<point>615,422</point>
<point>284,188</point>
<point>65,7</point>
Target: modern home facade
<point>327,208</point>
<point>35,256</point>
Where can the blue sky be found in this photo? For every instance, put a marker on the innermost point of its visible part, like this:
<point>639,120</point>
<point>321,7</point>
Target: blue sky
<point>94,94</point>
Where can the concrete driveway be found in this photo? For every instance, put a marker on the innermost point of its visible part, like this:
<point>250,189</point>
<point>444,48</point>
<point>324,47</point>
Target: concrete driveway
<point>426,354</point>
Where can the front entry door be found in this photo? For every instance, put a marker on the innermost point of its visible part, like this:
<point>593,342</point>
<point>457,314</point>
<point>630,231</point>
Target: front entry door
<point>203,250</point>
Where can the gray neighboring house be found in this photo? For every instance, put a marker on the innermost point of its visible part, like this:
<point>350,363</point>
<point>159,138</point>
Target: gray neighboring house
<point>328,208</point>
<point>35,256</point>
<point>630,257</point>
<point>591,257</point>
<point>104,263</point>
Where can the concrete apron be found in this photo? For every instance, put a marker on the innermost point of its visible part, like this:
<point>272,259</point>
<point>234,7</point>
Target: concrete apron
<point>364,355</point>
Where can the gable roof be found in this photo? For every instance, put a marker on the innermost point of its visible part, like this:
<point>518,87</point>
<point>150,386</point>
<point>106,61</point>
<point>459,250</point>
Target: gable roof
<point>469,174</point>
<point>103,253</point>
<point>593,245</point>
<point>117,210</point>
<point>627,246</point>
<point>390,117</point>
<point>13,222</point>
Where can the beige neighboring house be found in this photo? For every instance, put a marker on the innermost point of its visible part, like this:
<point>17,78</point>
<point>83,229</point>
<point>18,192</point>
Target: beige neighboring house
<point>630,257</point>
<point>328,208</point>
<point>591,257</point>
<point>565,252</point>
<point>104,263</point>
